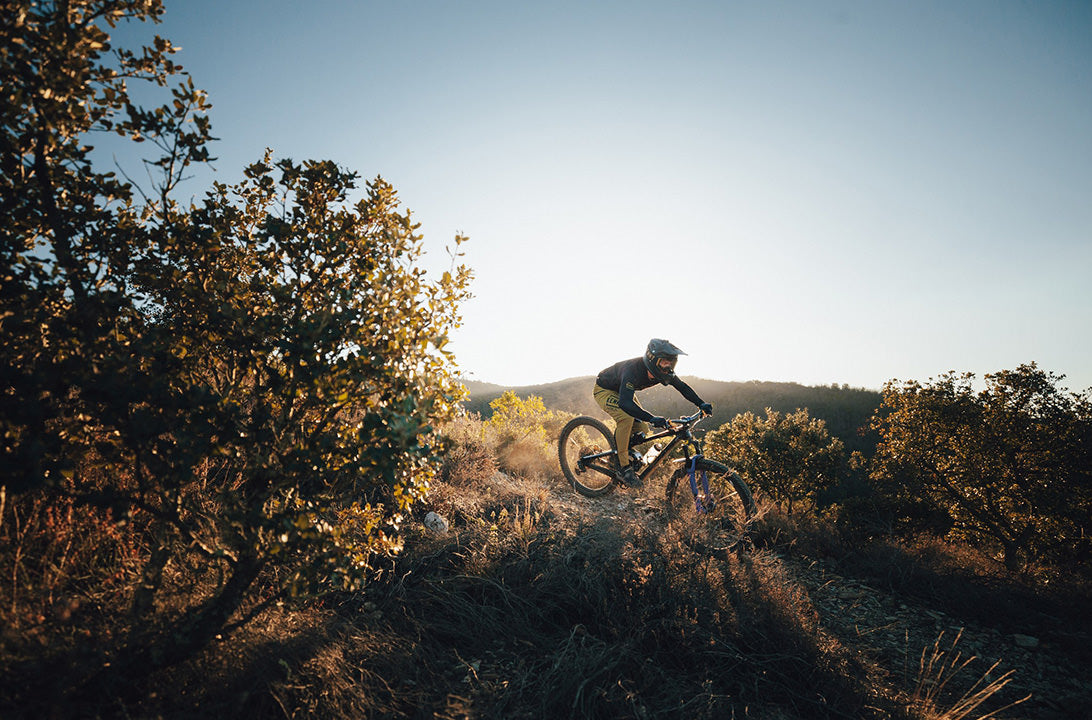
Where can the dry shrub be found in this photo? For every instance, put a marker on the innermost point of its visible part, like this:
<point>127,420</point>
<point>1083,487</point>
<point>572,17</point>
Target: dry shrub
<point>468,457</point>
<point>799,534</point>
<point>519,439</point>
<point>58,556</point>
<point>526,457</point>
<point>67,580</point>
<point>470,497</point>
<point>524,435</point>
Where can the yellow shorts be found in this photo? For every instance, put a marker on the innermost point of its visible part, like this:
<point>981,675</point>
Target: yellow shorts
<point>625,424</point>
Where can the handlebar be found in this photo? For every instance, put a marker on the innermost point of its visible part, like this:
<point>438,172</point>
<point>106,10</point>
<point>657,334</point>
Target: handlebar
<point>690,420</point>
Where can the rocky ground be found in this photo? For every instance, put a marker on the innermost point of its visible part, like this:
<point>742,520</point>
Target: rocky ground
<point>894,635</point>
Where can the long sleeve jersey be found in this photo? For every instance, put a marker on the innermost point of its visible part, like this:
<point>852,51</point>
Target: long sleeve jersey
<point>629,376</point>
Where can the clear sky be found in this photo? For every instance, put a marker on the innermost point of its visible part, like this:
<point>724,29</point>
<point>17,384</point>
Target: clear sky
<point>809,191</point>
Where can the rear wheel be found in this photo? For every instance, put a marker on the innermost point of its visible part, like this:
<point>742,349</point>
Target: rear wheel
<point>588,456</point>
<point>731,499</point>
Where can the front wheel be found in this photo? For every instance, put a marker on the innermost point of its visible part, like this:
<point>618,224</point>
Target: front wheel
<point>588,456</point>
<point>730,498</point>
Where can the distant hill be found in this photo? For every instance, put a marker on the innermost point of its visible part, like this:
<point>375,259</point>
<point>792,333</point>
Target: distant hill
<point>845,409</point>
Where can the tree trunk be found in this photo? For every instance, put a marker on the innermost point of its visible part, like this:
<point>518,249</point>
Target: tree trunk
<point>202,624</point>
<point>125,678</point>
<point>150,580</point>
<point>1011,555</point>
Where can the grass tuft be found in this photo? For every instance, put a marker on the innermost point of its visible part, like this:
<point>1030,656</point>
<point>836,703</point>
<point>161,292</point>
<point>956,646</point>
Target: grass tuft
<point>939,669</point>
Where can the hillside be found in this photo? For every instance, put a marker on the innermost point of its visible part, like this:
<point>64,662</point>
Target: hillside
<point>526,600</point>
<point>846,410</point>
<point>535,602</point>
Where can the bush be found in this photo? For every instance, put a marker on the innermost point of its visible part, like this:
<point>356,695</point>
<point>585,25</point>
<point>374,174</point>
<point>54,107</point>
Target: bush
<point>467,456</point>
<point>524,434</point>
<point>1009,466</point>
<point>790,457</point>
<point>251,385</point>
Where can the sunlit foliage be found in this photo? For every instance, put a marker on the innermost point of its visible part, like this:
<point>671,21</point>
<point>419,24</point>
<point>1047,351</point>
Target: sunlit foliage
<point>250,385</point>
<point>788,456</point>
<point>525,433</point>
<point>1009,465</point>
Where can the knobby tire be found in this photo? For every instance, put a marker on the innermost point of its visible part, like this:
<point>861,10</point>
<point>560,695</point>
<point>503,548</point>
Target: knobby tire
<point>582,436</point>
<point>733,500</point>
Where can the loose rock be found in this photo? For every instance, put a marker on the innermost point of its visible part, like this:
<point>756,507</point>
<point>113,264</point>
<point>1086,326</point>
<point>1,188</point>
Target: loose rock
<point>436,523</point>
<point>1025,641</point>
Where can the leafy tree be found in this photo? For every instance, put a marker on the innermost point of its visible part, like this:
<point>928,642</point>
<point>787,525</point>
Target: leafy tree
<point>251,384</point>
<point>790,457</point>
<point>1010,465</point>
<point>71,233</point>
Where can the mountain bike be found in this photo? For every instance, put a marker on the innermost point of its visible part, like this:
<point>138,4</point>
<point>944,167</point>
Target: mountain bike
<point>589,459</point>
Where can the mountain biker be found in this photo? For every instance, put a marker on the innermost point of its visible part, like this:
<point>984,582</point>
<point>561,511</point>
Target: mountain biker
<point>614,391</point>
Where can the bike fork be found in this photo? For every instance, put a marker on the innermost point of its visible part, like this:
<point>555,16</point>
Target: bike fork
<point>692,471</point>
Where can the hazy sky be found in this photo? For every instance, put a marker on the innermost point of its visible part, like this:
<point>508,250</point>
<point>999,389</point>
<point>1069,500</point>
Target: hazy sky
<point>820,192</point>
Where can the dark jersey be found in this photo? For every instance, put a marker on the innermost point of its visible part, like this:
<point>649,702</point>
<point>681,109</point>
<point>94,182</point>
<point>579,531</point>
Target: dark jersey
<point>629,376</point>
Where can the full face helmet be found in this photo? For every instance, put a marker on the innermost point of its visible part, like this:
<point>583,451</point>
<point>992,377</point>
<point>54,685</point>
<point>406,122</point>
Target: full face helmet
<point>660,359</point>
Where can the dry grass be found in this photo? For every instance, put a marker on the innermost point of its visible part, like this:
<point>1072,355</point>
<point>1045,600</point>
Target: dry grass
<point>468,457</point>
<point>939,669</point>
<point>956,579</point>
<point>526,610</point>
<point>536,604</point>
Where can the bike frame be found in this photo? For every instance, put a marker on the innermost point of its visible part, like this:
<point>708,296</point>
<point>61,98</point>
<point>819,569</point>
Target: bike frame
<point>678,436</point>
<point>685,435</point>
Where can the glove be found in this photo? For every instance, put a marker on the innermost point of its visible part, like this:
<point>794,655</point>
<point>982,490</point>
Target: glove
<point>660,422</point>
<point>706,408</point>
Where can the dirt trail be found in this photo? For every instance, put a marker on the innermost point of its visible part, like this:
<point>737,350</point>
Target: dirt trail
<point>889,633</point>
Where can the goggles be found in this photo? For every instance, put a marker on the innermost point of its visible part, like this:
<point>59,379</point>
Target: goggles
<point>667,364</point>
